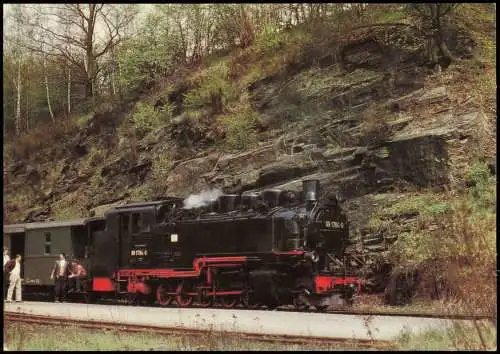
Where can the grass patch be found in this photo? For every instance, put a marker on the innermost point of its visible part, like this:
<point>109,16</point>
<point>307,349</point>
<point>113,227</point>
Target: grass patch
<point>37,337</point>
<point>140,194</point>
<point>458,337</point>
<point>68,208</point>
<point>35,141</point>
<point>443,307</point>
<point>410,206</point>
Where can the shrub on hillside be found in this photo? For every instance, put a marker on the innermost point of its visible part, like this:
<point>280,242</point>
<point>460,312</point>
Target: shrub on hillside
<point>270,39</point>
<point>44,136</point>
<point>214,89</point>
<point>453,249</point>
<point>239,128</point>
<point>146,118</point>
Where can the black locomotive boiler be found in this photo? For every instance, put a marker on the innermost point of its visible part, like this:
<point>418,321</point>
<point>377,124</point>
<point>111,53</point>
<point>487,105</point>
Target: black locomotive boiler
<point>270,248</point>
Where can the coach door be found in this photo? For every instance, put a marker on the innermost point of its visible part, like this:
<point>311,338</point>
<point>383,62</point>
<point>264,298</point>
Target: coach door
<point>125,228</point>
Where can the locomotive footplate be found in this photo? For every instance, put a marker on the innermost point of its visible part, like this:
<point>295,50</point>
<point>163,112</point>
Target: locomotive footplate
<point>329,291</point>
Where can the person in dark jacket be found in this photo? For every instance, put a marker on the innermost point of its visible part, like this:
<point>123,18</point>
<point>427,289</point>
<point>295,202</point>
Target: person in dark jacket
<point>60,273</point>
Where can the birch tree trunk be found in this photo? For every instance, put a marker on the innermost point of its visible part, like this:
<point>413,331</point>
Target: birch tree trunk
<point>18,109</point>
<point>26,120</point>
<point>47,88</point>
<point>69,89</point>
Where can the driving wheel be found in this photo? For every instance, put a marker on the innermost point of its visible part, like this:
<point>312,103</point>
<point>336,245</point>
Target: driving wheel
<point>183,298</point>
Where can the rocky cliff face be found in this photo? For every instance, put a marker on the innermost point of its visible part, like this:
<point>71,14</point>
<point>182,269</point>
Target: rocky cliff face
<point>353,120</point>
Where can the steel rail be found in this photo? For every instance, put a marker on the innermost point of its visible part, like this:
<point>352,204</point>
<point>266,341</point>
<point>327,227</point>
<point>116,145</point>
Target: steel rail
<point>180,331</point>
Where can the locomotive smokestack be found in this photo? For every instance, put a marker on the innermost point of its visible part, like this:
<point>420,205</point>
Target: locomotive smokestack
<point>310,189</point>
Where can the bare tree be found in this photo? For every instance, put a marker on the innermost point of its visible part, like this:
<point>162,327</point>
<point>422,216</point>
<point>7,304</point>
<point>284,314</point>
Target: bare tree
<point>18,17</point>
<point>46,77</point>
<point>82,34</point>
<point>431,18</point>
<point>18,104</point>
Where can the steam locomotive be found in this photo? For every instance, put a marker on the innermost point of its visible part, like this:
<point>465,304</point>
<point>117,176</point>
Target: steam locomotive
<point>270,248</point>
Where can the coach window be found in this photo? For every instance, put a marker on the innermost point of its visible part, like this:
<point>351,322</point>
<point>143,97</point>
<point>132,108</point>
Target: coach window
<point>48,241</point>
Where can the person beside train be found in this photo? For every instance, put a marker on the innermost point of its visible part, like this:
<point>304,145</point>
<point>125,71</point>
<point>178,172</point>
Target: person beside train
<point>13,270</point>
<point>60,273</point>
<point>77,274</point>
<point>6,259</point>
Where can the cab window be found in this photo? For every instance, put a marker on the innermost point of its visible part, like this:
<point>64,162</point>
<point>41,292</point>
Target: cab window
<point>136,223</point>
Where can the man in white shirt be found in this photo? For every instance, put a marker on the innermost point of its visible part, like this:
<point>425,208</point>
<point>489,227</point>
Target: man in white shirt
<point>14,279</point>
<point>6,257</point>
<point>60,272</point>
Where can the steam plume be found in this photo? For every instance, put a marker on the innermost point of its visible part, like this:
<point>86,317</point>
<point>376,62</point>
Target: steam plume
<point>201,199</point>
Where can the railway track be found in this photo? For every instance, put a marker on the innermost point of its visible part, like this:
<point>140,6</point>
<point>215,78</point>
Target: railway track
<point>177,331</point>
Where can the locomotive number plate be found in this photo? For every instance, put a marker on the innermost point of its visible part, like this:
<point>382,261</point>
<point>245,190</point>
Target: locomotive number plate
<point>139,252</point>
<point>334,224</point>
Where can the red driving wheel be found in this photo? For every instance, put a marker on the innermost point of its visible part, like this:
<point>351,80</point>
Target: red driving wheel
<point>182,297</point>
<point>162,295</point>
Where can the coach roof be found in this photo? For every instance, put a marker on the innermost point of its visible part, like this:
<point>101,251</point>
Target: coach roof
<point>50,224</point>
<point>13,228</point>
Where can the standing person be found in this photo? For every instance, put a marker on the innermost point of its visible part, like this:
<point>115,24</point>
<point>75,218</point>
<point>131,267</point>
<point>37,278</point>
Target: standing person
<point>60,272</point>
<point>6,257</point>
<point>77,272</point>
<point>13,267</point>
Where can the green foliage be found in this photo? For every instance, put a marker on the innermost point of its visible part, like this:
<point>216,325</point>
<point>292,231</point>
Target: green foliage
<point>482,194</point>
<point>419,204</point>
<point>93,159</point>
<point>82,120</point>
<point>161,167</point>
<point>146,118</point>
<point>452,240</point>
<point>143,58</point>
<point>214,88</point>
<point>270,39</point>
<point>240,128</point>
<point>141,193</point>
<point>438,208</point>
<point>254,74</point>
<point>390,14</point>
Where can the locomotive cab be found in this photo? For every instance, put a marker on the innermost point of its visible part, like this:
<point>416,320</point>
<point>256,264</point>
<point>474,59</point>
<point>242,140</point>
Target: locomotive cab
<point>127,229</point>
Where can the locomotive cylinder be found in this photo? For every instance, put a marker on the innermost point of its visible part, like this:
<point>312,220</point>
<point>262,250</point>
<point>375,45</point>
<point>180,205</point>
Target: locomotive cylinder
<point>139,287</point>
